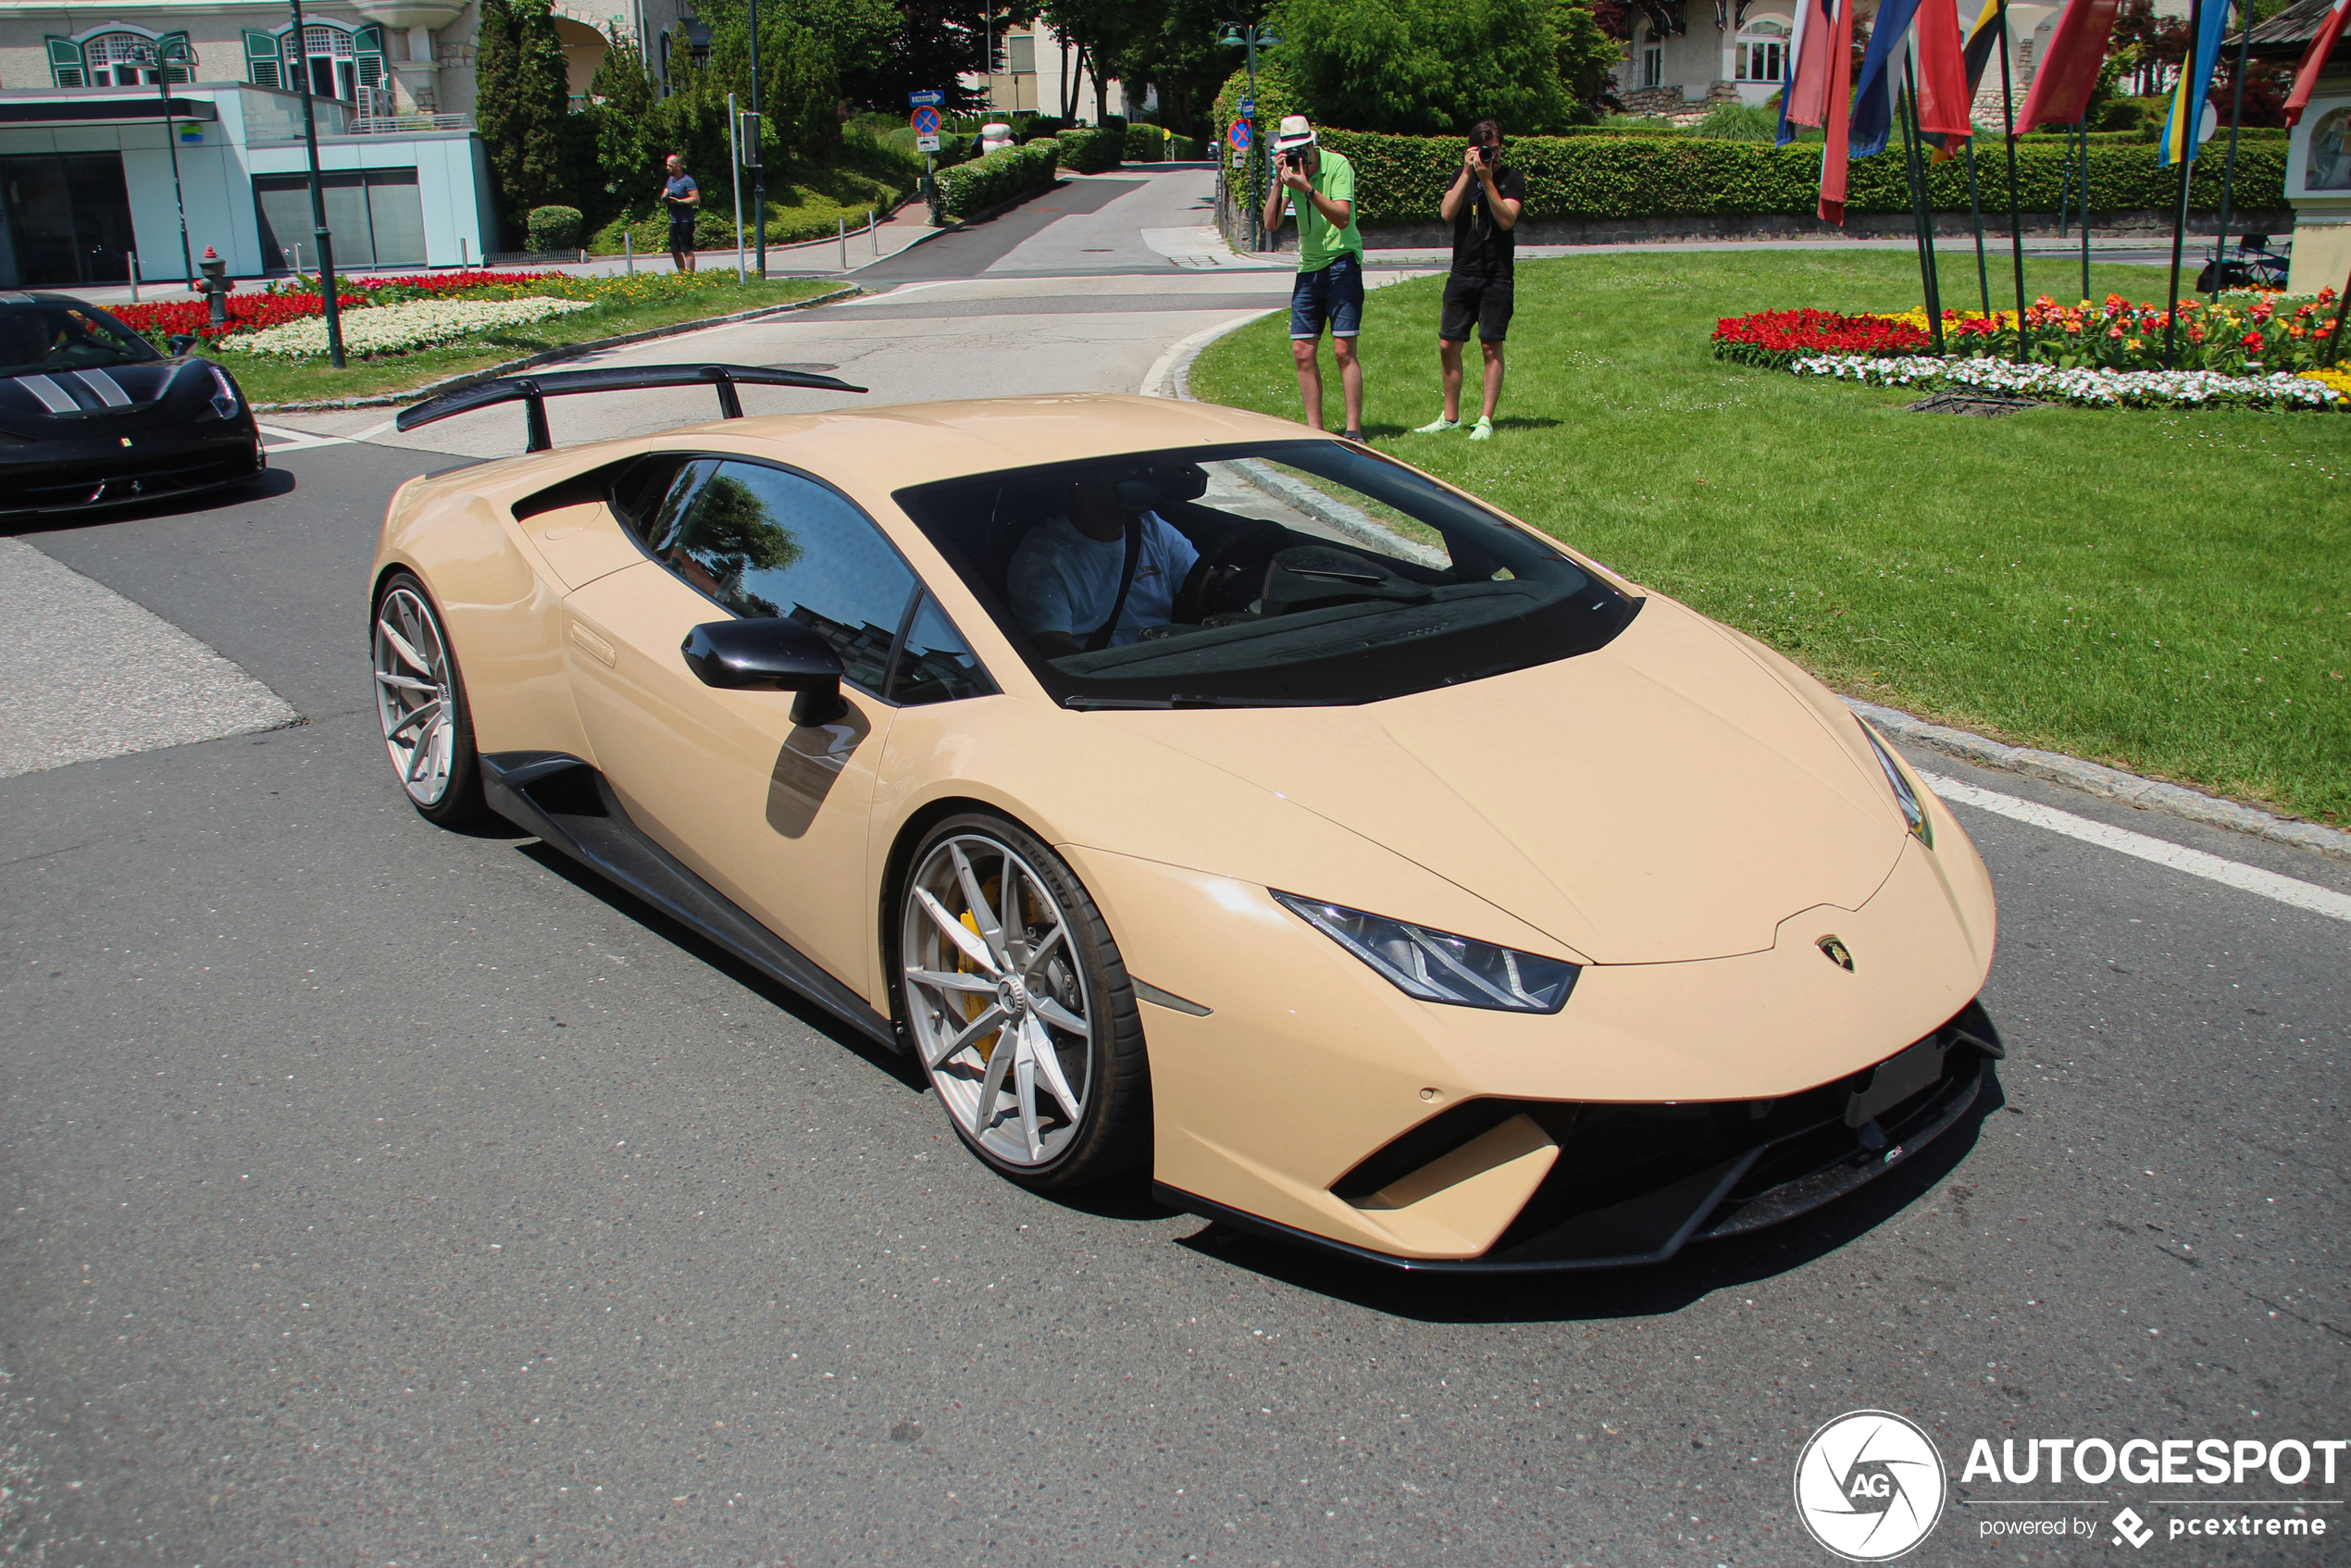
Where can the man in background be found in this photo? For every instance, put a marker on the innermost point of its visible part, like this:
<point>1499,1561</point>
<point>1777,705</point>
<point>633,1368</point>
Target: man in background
<point>1483,204</point>
<point>683,198</point>
<point>1329,290</point>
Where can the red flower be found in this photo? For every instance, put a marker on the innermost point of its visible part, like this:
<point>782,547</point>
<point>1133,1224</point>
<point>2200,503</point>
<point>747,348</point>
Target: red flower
<point>2252,342</point>
<point>1822,331</point>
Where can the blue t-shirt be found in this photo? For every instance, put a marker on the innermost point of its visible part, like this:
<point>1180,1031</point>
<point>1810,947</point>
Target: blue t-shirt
<point>680,186</point>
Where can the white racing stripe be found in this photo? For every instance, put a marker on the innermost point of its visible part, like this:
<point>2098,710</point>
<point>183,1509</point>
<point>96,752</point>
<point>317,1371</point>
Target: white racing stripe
<point>2196,862</point>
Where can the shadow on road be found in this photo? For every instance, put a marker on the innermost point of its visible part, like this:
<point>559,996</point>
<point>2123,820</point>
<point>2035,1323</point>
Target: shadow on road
<point>272,484</point>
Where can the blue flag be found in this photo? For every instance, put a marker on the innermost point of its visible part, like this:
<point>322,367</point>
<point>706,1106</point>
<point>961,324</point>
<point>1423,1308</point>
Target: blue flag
<point>2185,119</point>
<point>1874,95</point>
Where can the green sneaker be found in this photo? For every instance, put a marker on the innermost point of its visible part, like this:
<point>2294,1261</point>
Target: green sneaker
<point>1483,430</point>
<point>1437,426</point>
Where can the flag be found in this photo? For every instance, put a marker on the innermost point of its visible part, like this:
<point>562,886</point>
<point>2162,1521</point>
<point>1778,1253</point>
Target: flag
<point>1874,95</point>
<point>1805,96</point>
<point>2187,117</point>
<point>1945,94</point>
<point>1981,38</point>
<point>2314,60</point>
<point>2069,70</point>
<point>1835,153</point>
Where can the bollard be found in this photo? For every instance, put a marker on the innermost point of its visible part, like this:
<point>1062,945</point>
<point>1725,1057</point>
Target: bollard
<point>134,276</point>
<point>465,255</point>
<point>844,243</point>
<point>872,235</point>
<point>628,248</point>
<point>297,258</point>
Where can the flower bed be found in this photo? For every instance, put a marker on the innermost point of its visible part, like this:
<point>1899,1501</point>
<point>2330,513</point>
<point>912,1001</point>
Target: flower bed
<point>395,329</point>
<point>2243,333</point>
<point>247,313</point>
<point>2084,386</point>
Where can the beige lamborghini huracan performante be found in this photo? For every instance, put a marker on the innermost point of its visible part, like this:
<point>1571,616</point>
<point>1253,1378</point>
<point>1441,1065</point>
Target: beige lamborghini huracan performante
<point>1193,793</point>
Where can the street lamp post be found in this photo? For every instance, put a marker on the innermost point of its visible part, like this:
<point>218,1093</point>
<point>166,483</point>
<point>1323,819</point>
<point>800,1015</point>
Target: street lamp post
<point>758,162</point>
<point>1252,38</point>
<point>317,195</point>
<point>153,55</point>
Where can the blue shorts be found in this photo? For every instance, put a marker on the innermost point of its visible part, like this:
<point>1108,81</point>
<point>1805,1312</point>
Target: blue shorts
<point>1334,295</point>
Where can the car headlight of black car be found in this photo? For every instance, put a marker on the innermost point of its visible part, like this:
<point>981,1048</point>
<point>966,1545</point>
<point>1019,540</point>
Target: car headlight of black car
<point>1907,798</point>
<point>1439,967</point>
<point>225,402</point>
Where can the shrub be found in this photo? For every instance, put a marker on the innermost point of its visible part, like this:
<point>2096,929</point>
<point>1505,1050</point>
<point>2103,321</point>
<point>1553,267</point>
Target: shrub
<point>555,228</point>
<point>1400,178</point>
<point>1090,152</point>
<point>1738,122</point>
<point>1145,144</point>
<point>1184,149</point>
<point>1001,176</point>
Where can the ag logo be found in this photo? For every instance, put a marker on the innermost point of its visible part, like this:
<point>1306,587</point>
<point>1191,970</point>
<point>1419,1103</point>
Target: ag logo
<point>1870,1486</point>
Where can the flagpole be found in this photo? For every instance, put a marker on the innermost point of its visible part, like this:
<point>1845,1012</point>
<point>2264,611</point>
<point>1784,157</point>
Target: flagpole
<point>2342,319</point>
<point>1975,207</point>
<point>2065,188</point>
<point>2229,170</point>
<point>2085,129</point>
<point>2016,214</point>
<point>2191,116</point>
<point>1911,136</point>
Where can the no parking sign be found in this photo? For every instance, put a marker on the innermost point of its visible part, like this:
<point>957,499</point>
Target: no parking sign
<point>1238,136</point>
<point>926,123</point>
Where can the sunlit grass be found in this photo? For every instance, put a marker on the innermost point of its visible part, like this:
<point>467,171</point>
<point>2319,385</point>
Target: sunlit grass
<point>2168,593</point>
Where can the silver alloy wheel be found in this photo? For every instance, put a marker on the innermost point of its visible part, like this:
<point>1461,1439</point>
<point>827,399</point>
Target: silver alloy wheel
<point>997,999</point>
<point>413,695</point>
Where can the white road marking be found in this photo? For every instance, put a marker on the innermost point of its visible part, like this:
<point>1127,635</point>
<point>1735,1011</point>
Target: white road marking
<point>284,439</point>
<point>2196,862</point>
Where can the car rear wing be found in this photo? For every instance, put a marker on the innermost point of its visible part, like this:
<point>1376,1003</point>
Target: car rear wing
<point>532,391</point>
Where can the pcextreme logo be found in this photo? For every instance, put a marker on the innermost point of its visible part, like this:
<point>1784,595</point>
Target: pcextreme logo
<point>1870,1486</point>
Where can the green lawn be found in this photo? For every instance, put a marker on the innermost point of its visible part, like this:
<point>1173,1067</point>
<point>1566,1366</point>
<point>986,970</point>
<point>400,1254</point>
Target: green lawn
<point>268,380</point>
<point>2169,594</point>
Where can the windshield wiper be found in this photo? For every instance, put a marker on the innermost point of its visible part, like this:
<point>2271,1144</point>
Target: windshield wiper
<point>1190,700</point>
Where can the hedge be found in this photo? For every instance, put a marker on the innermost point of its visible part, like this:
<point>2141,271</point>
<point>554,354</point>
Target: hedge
<point>1400,178</point>
<point>1145,144</point>
<point>1090,152</point>
<point>555,227</point>
<point>1003,174</point>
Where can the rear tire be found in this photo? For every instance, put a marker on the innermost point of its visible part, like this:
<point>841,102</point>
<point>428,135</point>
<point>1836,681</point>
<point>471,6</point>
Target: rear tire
<point>1011,988</point>
<point>420,698</point>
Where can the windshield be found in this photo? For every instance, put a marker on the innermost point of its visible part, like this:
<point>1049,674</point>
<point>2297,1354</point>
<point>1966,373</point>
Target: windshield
<point>65,335</point>
<point>1292,573</point>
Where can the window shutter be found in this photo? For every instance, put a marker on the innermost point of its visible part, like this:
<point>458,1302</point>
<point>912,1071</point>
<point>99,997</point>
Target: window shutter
<point>261,60</point>
<point>176,45</point>
<point>367,44</point>
<point>65,63</point>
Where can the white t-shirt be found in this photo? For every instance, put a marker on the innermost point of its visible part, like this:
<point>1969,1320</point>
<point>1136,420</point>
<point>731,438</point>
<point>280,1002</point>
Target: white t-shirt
<point>1060,581</point>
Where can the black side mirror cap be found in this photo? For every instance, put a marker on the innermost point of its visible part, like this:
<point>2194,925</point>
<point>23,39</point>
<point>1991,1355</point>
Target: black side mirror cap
<point>772,654</point>
<point>181,342</point>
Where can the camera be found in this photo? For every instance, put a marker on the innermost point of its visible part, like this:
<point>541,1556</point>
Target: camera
<point>1485,152</point>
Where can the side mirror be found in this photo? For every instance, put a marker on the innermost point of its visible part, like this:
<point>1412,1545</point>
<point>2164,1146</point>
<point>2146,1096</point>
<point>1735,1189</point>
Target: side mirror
<point>181,342</point>
<point>773,653</point>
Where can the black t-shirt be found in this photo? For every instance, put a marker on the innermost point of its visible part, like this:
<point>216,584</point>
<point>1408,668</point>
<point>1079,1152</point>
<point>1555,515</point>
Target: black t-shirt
<point>1482,248</point>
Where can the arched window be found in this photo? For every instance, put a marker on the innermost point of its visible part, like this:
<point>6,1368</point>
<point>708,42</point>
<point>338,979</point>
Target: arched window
<point>1762,50</point>
<point>1653,55</point>
<point>113,58</point>
<point>340,60</point>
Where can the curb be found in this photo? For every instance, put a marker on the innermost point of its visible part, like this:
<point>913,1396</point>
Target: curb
<point>1171,377</point>
<point>551,356</point>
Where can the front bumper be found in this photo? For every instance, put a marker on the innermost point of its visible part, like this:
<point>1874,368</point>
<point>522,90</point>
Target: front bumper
<point>1635,1184</point>
<point>47,478</point>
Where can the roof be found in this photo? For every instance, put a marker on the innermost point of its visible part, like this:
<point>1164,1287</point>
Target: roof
<point>2290,31</point>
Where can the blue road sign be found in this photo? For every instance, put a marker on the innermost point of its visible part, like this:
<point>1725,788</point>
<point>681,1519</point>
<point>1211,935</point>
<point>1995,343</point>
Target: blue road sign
<point>1248,108</point>
<point>924,99</point>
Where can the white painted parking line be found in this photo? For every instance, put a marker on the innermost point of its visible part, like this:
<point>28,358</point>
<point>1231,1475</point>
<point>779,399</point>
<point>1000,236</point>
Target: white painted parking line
<point>2196,862</point>
<point>284,439</point>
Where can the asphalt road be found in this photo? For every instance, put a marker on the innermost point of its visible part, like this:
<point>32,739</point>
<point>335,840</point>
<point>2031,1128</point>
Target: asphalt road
<point>372,1194</point>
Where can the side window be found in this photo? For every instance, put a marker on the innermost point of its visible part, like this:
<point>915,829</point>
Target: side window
<point>765,543</point>
<point>938,666</point>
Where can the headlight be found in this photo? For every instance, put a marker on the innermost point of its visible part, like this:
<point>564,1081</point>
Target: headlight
<point>1437,966</point>
<point>224,394</point>
<point>1904,796</point>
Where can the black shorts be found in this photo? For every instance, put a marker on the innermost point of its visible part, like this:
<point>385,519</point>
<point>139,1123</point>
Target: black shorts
<point>1483,301</point>
<point>681,233</point>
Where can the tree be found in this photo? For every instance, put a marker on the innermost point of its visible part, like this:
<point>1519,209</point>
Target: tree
<point>522,102</point>
<point>620,111</point>
<point>931,43</point>
<point>1588,56</point>
<point>1427,66</point>
<point>1173,48</point>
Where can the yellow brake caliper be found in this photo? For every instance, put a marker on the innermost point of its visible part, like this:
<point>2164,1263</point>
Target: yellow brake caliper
<point>974,1003</point>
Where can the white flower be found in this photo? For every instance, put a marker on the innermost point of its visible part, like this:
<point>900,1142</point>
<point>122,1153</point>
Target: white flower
<point>2100,388</point>
<point>391,328</point>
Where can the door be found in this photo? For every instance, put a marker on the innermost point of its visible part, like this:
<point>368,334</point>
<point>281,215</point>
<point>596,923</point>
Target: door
<point>70,217</point>
<point>774,814</point>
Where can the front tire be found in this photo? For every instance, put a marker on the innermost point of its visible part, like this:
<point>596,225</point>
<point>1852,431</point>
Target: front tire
<point>420,698</point>
<point>1015,997</point>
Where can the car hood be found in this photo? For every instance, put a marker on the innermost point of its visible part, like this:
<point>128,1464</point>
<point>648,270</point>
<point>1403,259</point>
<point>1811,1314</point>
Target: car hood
<point>1661,799</point>
<point>68,392</point>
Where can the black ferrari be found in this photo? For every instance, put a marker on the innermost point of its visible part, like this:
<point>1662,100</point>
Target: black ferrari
<point>92,416</point>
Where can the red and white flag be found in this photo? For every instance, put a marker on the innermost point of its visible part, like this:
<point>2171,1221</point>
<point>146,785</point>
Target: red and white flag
<point>2314,60</point>
<point>2062,85</point>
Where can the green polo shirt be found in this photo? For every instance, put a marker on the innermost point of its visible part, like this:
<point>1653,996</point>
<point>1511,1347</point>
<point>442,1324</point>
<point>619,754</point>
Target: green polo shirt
<point>1318,244</point>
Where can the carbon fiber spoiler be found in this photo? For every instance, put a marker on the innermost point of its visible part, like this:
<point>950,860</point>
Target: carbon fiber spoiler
<point>532,391</point>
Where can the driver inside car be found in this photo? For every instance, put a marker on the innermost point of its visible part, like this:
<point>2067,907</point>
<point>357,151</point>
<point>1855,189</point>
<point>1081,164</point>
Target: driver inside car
<point>1064,579</point>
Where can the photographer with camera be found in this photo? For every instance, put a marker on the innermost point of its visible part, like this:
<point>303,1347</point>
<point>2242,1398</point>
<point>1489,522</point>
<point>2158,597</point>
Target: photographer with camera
<point>1482,206</point>
<point>1330,266</point>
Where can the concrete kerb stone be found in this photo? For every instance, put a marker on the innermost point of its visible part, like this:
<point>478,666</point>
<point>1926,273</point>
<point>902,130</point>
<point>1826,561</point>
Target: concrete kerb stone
<point>1171,377</point>
<point>551,356</point>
